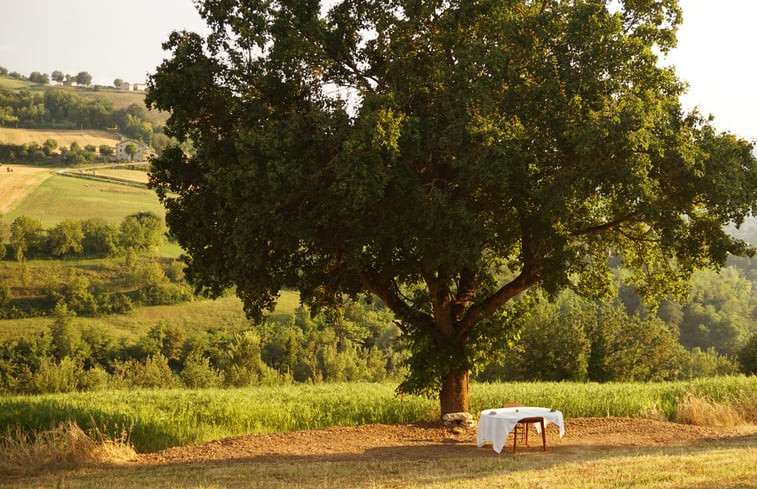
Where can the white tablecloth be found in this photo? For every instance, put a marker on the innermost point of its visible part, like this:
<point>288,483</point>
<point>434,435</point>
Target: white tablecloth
<point>495,424</point>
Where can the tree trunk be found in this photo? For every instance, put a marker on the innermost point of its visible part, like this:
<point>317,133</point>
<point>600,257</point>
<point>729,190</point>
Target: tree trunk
<point>454,393</point>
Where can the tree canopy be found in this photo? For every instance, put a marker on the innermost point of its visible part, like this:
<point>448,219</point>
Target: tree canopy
<point>445,156</point>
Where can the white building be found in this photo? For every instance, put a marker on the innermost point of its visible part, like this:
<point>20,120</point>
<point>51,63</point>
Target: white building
<point>123,155</point>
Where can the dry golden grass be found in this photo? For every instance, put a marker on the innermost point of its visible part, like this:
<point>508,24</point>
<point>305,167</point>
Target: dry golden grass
<point>16,185</point>
<point>702,412</point>
<point>67,446</point>
<point>63,138</point>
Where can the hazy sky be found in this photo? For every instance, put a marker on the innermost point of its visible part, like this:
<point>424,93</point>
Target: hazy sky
<point>122,39</point>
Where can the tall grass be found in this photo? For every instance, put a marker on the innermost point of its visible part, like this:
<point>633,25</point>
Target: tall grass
<point>65,446</point>
<point>163,418</point>
<point>650,400</point>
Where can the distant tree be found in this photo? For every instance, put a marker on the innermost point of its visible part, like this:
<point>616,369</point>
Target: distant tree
<point>3,70</point>
<point>61,104</point>
<point>748,356</point>
<point>25,232</point>
<point>106,151</point>
<point>37,77</point>
<point>49,146</point>
<point>66,238</point>
<point>65,334</point>
<point>100,237</point>
<point>718,313</point>
<point>57,76</point>
<point>131,150</point>
<point>141,231</point>
<point>159,142</point>
<point>84,79</point>
<point>118,82</point>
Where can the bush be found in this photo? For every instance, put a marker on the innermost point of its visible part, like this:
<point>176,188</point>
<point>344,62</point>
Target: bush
<point>198,373</point>
<point>57,377</point>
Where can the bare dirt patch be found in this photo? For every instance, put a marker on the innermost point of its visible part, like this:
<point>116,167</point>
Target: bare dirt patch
<point>426,441</point>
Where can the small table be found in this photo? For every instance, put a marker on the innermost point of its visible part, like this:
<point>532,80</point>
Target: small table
<point>495,424</point>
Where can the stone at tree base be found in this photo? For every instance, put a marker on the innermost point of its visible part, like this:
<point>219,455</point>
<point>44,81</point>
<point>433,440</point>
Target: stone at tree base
<point>458,421</point>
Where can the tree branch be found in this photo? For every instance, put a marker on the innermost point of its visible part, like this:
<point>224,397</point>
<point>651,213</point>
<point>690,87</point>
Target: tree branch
<point>486,309</point>
<point>606,226</point>
<point>388,292</point>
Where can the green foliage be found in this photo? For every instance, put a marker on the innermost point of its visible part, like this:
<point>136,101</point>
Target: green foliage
<point>141,231</point>
<point>488,148</point>
<point>25,232</point>
<point>748,356</point>
<point>67,238</point>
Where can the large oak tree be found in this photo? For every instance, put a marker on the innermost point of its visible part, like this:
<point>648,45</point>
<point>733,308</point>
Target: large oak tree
<point>443,155</point>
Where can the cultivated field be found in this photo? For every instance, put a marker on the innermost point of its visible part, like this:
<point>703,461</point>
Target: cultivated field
<point>63,138</point>
<point>15,185</point>
<point>52,197</point>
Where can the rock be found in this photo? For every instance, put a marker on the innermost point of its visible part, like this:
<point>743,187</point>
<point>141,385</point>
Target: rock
<point>457,421</point>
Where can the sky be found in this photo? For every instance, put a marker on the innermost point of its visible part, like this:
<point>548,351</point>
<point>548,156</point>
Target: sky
<point>716,53</point>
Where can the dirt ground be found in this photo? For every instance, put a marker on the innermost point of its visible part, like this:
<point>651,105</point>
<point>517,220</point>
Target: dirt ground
<point>436,441</point>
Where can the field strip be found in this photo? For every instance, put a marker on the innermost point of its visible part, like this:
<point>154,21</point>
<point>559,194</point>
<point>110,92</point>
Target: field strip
<point>17,184</point>
<point>62,137</point>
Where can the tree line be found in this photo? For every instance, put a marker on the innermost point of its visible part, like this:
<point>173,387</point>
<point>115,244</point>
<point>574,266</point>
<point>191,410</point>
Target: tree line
<point>83,78</point>
<point>70,238</point>
<point>50,152</point>
<point>142,283</point>
<point>59,108</point>
<point>566,339</point>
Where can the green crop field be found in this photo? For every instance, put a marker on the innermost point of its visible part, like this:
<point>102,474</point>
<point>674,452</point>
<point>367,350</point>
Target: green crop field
<point>61,197</point>
<point>173,417</point>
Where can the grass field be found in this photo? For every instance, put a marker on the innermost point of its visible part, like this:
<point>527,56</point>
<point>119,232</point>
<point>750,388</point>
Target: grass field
<point>62,137</point>
<point>194,317</point>
<point>60,197</point>
<point>176,417</point>
<point>16,185</point>
<point>15,84</point>
<point>717,466</point>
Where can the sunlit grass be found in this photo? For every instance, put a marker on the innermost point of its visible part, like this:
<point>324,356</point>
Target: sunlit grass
<point>719,464</point>
<point>171,417</point>
<point>60,197</point>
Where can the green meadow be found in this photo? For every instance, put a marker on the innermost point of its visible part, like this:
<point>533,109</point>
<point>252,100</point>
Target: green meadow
<point>62,197</point>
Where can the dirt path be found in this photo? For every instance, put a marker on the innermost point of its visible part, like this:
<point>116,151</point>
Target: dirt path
<point>434,441</point>
<point>17,181</point>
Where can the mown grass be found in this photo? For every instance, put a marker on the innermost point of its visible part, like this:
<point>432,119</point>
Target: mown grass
<point>59,198</point>
<point>64,137</point>
<point>163,418</point>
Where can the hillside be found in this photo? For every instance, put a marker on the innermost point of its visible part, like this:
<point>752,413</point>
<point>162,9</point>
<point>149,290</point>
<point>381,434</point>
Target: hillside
<point>52,196</point>
<point>62,137</point>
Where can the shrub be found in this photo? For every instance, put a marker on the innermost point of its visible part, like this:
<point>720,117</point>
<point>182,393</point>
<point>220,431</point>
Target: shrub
<point>198,373</point>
